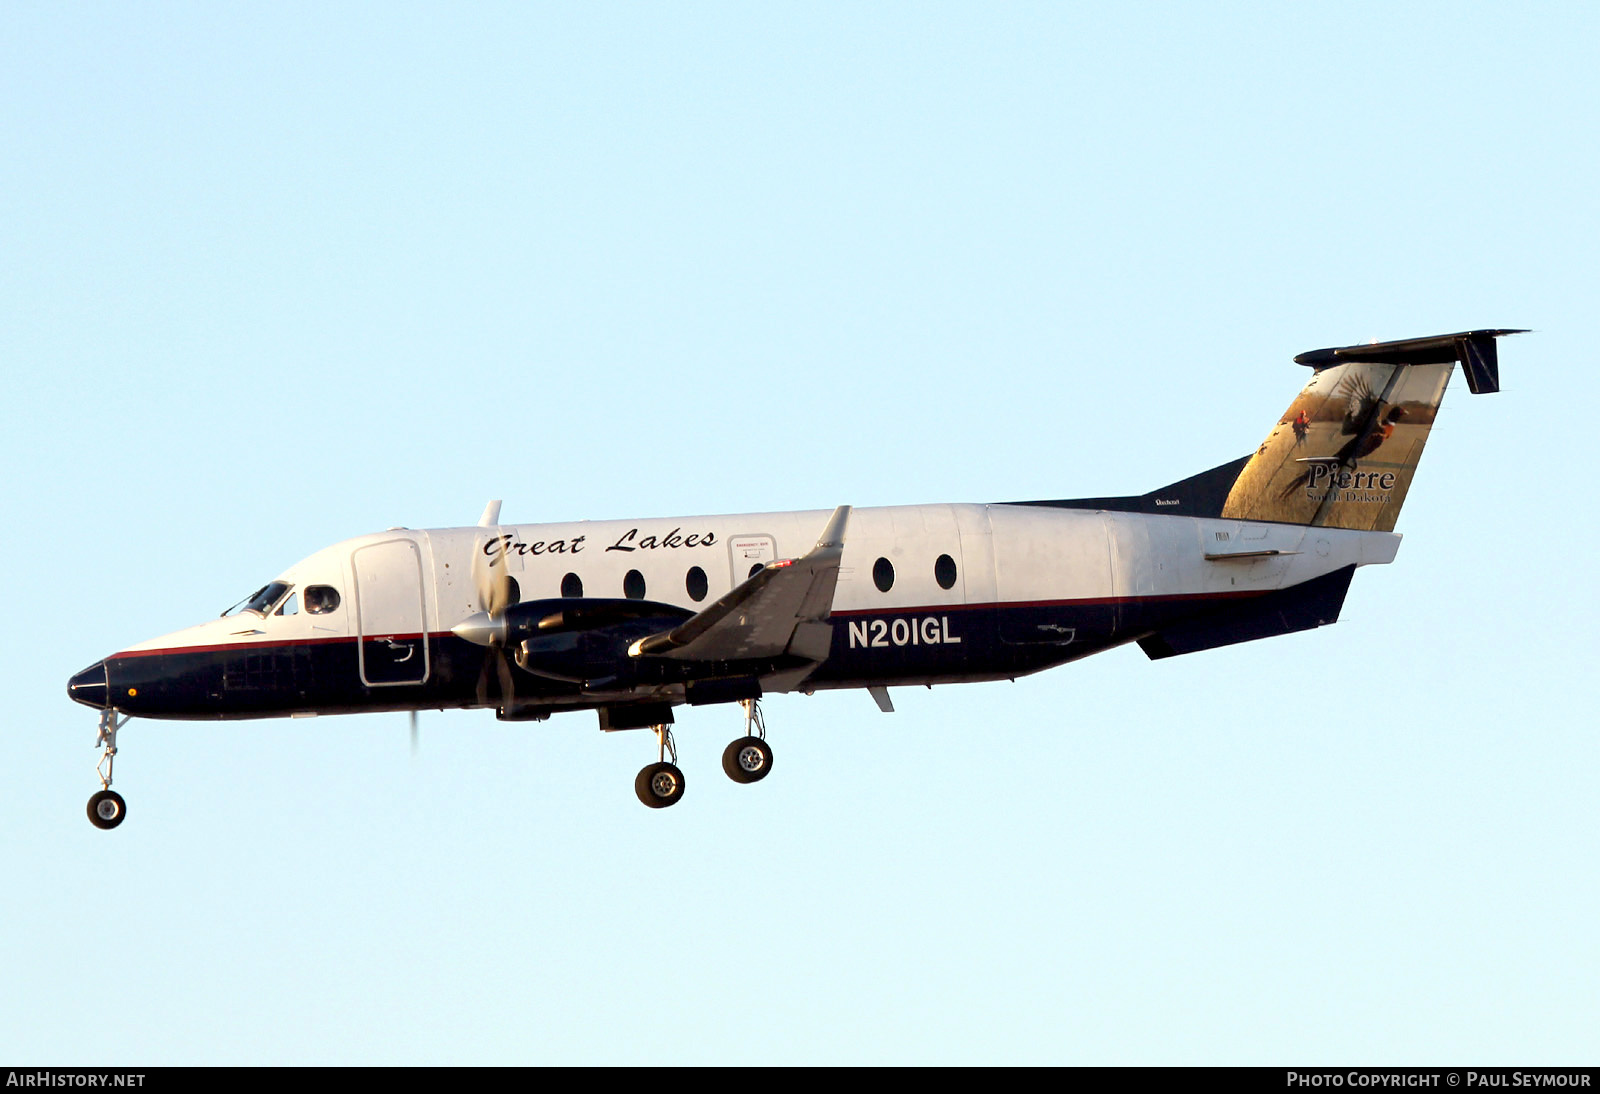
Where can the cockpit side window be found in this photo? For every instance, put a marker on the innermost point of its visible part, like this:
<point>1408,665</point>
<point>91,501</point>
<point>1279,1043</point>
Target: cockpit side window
<point>290,606</point>
<point>262,600</point>
<point>321,599</point>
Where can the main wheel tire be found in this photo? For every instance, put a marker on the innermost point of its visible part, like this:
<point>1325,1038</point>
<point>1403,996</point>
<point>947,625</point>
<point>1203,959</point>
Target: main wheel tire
<point>107,809</point>
<point>659,785</point>
<point>747,760</point>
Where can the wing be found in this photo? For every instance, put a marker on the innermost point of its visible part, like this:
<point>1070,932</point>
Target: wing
<point>781,609</point>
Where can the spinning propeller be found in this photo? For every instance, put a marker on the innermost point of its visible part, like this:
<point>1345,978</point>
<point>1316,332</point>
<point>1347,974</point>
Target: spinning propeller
<point>496,590</point>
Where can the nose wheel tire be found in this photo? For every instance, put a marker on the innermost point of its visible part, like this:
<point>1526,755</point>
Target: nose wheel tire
<point>747,760</point>
<point>659,785</point>
<point>107,809</point>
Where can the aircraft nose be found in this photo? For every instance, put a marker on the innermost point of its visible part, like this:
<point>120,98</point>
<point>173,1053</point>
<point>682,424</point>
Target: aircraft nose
<point>90,687</point>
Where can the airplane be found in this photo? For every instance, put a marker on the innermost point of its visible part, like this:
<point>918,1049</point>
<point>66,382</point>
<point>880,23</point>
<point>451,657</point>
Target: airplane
<point>633,618</point>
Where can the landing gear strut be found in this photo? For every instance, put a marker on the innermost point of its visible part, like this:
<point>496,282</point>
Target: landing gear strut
<point>106,808</point>
<point>661,783</point>
<point>748,759</point>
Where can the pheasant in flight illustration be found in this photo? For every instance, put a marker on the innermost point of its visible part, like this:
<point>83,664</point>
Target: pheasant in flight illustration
<point>1360,424</point>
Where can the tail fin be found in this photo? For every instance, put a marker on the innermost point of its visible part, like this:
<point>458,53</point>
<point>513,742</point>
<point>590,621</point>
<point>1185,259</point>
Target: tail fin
<point>1344,453</point>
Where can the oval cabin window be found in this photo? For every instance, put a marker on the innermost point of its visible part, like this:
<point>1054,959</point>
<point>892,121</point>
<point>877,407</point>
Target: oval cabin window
<point>321,599</point>
<point>944,571</point>
<point>633,585</point>
<point>883,575</point>
<point>572,586</point>
<point>696,584</point>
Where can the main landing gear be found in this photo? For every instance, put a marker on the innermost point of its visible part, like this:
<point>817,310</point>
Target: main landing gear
<point>746,760</point>
<point>107,809</point>
<point>661,784</point>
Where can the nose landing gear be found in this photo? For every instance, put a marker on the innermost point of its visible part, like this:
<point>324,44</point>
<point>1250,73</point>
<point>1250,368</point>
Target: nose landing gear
<point>106,808</point>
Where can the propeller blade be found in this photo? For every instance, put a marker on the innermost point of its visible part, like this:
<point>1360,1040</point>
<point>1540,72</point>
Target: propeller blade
<point>413,733</point>
<point>483,678</point>
<point>496,663</point>
<point>493,584</point>
<point>508,691</point>
<point>497,591</point>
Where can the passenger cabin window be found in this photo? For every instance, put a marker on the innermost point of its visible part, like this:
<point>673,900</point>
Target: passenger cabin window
<point>572,586</point>
<point>883,575</point>
<point>944,571</point>
<point>321,599</point>
<point>696,584</point>
<point>633,585</point>
<point>754,570</point>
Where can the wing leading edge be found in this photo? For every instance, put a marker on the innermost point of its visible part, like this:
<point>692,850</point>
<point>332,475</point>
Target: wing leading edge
<point>781,609</point>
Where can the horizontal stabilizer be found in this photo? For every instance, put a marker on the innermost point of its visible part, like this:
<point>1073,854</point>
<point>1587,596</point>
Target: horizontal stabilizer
<point>1474,349</point>
<point>1315,603</point>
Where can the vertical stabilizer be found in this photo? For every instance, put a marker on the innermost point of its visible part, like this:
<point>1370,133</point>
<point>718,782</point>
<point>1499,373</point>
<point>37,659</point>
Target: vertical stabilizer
<point>1344,453</point>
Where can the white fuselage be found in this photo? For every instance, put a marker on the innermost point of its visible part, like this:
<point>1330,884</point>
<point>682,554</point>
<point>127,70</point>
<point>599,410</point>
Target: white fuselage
<point>912,577</point>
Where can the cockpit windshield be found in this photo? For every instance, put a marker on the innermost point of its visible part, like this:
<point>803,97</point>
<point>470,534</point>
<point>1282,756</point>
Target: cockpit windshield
<point>260,601</point>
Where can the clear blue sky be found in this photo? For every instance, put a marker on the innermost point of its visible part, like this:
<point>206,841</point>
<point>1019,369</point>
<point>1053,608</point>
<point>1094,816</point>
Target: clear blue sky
<point>275,276</point>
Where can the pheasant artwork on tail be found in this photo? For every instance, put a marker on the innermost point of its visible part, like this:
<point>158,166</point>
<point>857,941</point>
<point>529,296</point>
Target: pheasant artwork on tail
<point>1361,424</point>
